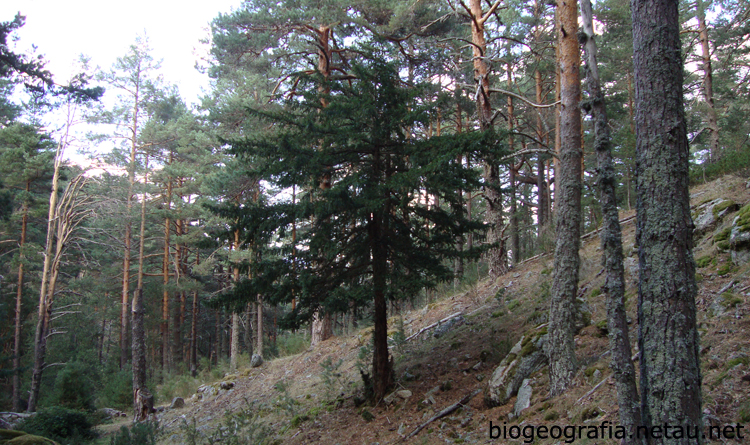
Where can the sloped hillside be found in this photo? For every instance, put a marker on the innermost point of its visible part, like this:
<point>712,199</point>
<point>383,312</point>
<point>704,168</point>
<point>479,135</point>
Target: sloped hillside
<point>314,397</point>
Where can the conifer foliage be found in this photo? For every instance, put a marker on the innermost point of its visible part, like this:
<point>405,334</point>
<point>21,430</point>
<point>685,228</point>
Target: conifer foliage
<point>370,241</point>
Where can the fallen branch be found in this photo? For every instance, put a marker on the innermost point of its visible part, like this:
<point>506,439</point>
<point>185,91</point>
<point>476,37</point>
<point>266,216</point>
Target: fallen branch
<point>726,288</point>
<point>606,378</point>
<point>594,388</point>
<point>433,325</point>
<point>443,413</point>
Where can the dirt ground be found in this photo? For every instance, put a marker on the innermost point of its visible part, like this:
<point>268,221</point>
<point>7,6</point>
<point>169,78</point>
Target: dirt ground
<point>306,399</point>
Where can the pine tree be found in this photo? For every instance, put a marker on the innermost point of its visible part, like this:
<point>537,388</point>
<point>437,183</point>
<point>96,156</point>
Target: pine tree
<point>667,333</point>
<point>370,241</point>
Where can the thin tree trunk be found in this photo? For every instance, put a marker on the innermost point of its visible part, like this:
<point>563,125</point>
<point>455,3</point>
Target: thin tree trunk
<point>249,328</point>
<point>143,401</point>
<point>562,360</point>
<point>707,86</point>
<point>234,347</point>
<point>165,346</point>
<point>260,326</point>
<point>16,398</point>
<point>611,240</point>
<point>194,336</point>
<point>514,241</point>
<point>667,334</point>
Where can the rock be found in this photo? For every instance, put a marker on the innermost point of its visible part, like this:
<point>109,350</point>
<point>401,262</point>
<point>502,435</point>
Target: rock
<point>404,393</point>
<point>402,429</point>
<point>177,403</point>
<point>739,237</point>
<point>523,400</point>
<point>256,361</point>
<point>597,375</point>
<point>226,385</point>
<point>390,398</point>
<point>444,328</point>
<point>526,357</point>
<point>710,213</point>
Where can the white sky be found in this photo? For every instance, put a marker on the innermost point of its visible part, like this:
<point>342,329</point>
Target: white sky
<point>103,30</point>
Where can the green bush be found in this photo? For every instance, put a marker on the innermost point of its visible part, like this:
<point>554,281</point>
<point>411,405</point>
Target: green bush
<point>142,433</point>
<point>73,388</point>
<point>66,426</point>
<point>117,390</point>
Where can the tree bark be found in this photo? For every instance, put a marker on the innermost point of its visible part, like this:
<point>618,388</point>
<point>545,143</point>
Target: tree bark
<point>142,398</point>
<point>234,346</point>
<point>611,241</point>
<point>707,86</point>
<point>321,323</point>
<point>562,360</point>
<point>165,346</point>
<point>16,398</point>
<point>382,366</point>
<point>497,256</point>
<point>667,337</point>
<point>259,336</point>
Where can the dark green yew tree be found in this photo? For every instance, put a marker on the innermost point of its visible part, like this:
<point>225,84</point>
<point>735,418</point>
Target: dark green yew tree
<point>370,241</point>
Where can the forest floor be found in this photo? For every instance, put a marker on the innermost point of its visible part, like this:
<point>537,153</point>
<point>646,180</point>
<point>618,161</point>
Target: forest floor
<point>310,398</point>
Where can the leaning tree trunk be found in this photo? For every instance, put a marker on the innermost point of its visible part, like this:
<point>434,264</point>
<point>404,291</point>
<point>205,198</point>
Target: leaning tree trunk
<point>562,360</point>
<point>611,240</point>
<point>667,333</point>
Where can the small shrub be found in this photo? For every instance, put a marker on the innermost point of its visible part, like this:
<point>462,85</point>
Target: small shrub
<point>737,361</point>
<point>596,292</point>
<point>497,314</point>
<point>743,415</point>
<point>66,426</point>
<point>513,305</point>
<point>589,413</point>
<point>292,343</point>
<point>331,377</point>
<point>725,269</point>
<point>730,300</point>
<point>117,390</point>
<point>703,261</point>
<point>141,433</point>
<point>551,416</point>
<point>367,415</point>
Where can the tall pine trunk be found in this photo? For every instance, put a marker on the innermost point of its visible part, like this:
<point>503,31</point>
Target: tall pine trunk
<point>143,401</point>
<point>667,337</point>
<point>611,241</point>
<point>497,256</point>
<point>562,360</point>
<point>321,329</point>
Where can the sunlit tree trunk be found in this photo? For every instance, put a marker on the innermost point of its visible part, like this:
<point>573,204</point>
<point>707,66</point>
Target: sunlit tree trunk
<point>562,360</point>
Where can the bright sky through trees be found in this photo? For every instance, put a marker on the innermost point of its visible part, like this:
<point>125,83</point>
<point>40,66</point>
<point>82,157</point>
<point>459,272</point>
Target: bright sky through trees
<point>62,30</point>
